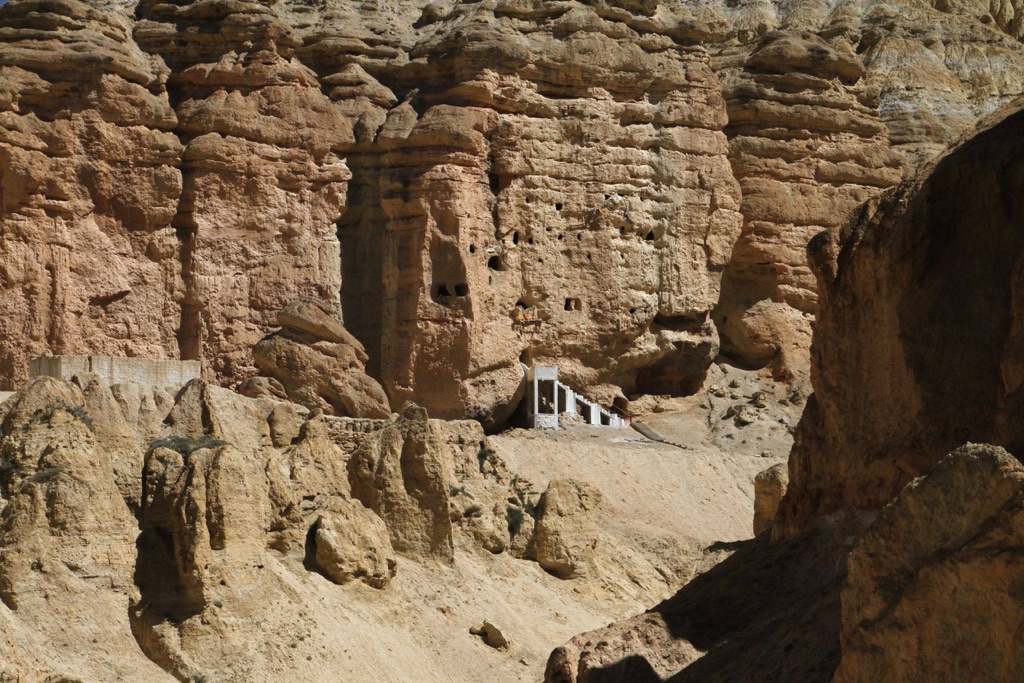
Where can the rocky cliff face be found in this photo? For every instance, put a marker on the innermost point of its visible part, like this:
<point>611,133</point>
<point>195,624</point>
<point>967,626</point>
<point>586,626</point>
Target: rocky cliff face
<point>581,210</point>
<point>916,344</point>
<point>807,145</point>
<point>934,574</point>
<point>90,188</point>
<point>478,184</point>
<point>916,352</point>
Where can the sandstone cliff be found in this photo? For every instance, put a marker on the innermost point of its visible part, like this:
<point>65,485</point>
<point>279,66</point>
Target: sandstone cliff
<point>915,352</point>
<point>916,344</point>
<point>477,183</point>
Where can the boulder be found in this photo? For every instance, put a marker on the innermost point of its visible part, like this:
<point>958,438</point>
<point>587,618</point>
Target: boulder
<point>318,364</point>
<point>769,488</point>
<point>490,634</point>
<point>566,535</point>
<point>352,544</point>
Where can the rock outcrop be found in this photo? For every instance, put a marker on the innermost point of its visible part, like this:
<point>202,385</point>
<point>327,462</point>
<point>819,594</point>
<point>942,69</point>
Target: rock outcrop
<point>916,351</point>
<point>477,184</point>
<point>89,188</point>
<point>67,543</point>
<point>318,363</point>
<point>429,478</point>
<point>916,343</point>
<point>933,586</point>
<point>566,537</point>
<point>144,523</point>
<point>352,544</point>
<point>556,189</point>
<point>807,145</point>
<point>769,488</point>
<point>402,475</point>
<point>263,173</point>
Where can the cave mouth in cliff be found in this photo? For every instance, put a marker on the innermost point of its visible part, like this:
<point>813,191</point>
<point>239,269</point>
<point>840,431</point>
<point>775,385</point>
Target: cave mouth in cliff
<point>440,294</point>
<point>495,263</point>
<point>164,595</point>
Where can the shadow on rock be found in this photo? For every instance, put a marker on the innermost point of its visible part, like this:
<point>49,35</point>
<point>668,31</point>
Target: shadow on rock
<point>766,613</point>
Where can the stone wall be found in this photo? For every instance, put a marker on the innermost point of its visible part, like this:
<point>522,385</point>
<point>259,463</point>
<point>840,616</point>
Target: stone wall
<point>144,371</point>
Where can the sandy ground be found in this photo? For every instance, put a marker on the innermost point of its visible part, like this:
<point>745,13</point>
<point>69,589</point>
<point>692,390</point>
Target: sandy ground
<point>663,506</point>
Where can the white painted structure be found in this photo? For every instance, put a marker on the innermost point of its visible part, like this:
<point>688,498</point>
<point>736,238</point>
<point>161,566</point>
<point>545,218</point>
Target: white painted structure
<point>548,399</point>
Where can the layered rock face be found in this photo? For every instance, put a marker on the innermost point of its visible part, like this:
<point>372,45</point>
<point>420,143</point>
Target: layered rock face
<point>555,190</point>
<point>916,345</point>
<point>479,183</point>
<point>263,180</point>
<point>807,145</point>
<point>89,189</point>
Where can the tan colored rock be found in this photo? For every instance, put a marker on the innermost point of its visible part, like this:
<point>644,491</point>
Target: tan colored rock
<point>262,387</point>
<point>931,591</point>
<point>564,193</point>
<point>90,187</point>
<point>306,479</point>
<point>352,544</point>
<point>807,146</point>
<point>264,182</point>
<point>769,488</point>
<point>318,363</point>
<point>934,262</point>
<point>67,545</point>
<point>174,174</point>
<point>402,474</point>
<point>566,536</point>
<point>491,635</point>
<point>763,612</point>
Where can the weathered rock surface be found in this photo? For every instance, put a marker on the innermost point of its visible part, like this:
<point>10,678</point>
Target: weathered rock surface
<point>146,524</point>
<point>318,364</point>
<point>566,537</point>
<point>556,189</point>
<point>263,180</point>
<point>807,146</point>
<point>477,183</point>
<point>352,544</point>
<point>916,343</point>
<point>933,589</point>
<point>429,478</point>
<point>67,544</point>
<point>769,488</point>
<point>916,351</point>
<point>90,188</point>
<point>491,635</point>
<point>402,475</point>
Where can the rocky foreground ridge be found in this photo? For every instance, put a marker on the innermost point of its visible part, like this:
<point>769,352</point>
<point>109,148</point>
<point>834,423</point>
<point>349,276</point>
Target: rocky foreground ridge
<point>894,553</point>
<point>152,536</point>
<point>624,188</point>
